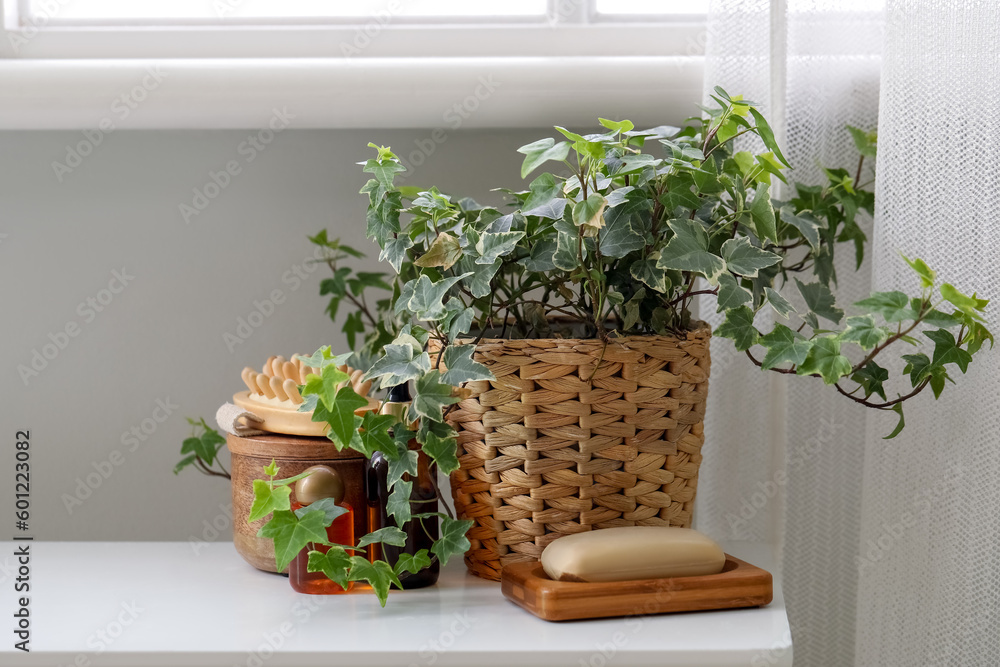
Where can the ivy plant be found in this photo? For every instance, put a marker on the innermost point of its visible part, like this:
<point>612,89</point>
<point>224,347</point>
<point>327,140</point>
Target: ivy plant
<point>619,238</point>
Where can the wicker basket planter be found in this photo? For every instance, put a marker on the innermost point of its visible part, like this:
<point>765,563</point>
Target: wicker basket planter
<point>574,436</point>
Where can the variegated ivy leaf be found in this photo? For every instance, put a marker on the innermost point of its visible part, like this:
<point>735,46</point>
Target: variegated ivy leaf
<point>624,223</point>
<point>394,251</point>
<point>568,247</point>
<point>807,225</point>
<point>739,326</point>
<point>762,213</point>
<point>688,251</point>
<point>825,360</point>
<point>744,259</point>
<point>780,304</point>
<point>492,246</point>
<point>443,451</point>
<point>397,365</point>
<point>784,346</point>
<point>731,294</point>
<point>893,306</point>
<point>430,397</point>
<point>324,357</point>
<point>427,300</point>
<point>461,366</point>
<point>647,272</point>
<point>863,331</point>
<point>589,214</point>
<point>541,151</point>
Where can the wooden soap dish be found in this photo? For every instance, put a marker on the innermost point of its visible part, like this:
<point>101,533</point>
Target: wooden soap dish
<point>740,584</point>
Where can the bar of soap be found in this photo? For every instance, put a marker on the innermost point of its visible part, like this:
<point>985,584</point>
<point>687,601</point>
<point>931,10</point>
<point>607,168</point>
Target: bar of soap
<point>632,552</point>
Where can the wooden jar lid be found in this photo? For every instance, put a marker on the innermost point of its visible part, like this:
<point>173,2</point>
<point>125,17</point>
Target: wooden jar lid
<point>288,447</point>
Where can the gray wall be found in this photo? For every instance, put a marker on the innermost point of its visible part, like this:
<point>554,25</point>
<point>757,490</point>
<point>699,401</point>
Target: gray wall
<point>161,338</point>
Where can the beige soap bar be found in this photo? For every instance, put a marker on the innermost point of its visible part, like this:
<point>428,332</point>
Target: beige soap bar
<point>632,552</point>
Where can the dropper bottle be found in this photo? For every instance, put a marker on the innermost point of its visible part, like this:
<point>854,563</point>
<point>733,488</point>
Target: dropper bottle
<point>420,533</point>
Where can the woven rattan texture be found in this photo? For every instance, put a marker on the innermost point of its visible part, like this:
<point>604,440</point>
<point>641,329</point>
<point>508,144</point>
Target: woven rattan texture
<point>553,447</point>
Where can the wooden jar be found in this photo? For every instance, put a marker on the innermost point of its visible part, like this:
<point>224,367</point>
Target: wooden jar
<point>293,454</point>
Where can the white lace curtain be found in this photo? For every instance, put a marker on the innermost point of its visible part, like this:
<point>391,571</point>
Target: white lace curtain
<point>890,549</point>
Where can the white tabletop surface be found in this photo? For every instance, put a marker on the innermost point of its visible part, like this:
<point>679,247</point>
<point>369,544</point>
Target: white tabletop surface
<point>162,604</point>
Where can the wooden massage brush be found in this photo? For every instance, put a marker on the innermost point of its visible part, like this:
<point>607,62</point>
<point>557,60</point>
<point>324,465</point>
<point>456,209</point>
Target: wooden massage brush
<point>273,395</point>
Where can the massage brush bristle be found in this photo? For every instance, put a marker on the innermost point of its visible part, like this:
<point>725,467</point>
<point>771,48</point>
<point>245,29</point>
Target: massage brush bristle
<point>281,378</point>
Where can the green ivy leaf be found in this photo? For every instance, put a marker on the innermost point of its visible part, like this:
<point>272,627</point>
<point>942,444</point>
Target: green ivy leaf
<point>784,346</point>
<point>335,564</point>
<point>632,309</point>
<point>390,535</point>
<point>379,574</point>
<point>328,506</point>
<point>688,251</point>
<point>461,366</point>
<point>739,326</point>
<point>184,463</point>
<point>892,306</point>
<point>864,141</point>
<point>731,294</point>
<point>412,563</point>
<point>443,252</point>
<point>374,434</point>
<point>898,409</point>
<point>927,276</point>
<point>746,260</point>
<point>967,304</point>
<point>452,541</point>
<point>871,377</point>
<point>431,396</point>
<point>767,135</point>
<point>624,229</point>
<point>825,360</point>
<point>819,299</point>
<point>291,534</point>
<point>443,451</point>
<point>541,151</point>
<point>405,464</point>
<point>325,384</point>
<point>947,351</point>
<point>762,213</point>
<point>266,500</point>
<point>863,331</point>
<point>398,503</point>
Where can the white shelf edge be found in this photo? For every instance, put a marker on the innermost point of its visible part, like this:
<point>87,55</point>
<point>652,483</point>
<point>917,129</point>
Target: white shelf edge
<point>243,93</point>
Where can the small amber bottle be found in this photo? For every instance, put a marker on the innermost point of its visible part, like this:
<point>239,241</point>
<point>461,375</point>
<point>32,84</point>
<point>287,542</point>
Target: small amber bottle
<point>324,482</point>
<point>420,533</point>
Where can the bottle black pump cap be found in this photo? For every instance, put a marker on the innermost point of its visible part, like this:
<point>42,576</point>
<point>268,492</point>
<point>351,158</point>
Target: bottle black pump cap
<point>399,393</point>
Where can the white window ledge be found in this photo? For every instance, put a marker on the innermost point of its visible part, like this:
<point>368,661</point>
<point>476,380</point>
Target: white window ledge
<point>245,93</point>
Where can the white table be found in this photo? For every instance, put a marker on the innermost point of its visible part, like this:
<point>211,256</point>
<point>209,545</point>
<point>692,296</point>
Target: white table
<point>162,604</point>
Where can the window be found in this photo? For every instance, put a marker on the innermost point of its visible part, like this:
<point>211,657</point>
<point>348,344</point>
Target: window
<point>548,54</point>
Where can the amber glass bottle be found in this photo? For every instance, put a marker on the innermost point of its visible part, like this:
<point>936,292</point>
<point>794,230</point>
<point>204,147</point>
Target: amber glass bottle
<point>324,482</point>
<point>420,533</point>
